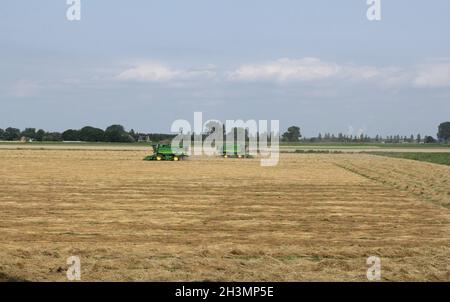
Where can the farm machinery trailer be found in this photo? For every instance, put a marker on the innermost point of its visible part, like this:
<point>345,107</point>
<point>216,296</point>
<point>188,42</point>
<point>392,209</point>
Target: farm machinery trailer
<point>167,152</point>
<point>234,151</point>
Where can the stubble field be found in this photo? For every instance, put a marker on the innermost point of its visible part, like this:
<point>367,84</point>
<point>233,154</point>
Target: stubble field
<point>313,217</point>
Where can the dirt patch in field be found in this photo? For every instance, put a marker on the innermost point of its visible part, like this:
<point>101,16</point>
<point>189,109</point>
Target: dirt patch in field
<point>309,218</point>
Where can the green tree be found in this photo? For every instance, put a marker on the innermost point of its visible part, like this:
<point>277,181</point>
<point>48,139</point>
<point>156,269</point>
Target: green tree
<point>29,133</point>
<point>12,134</point>
<point>2,134</point>
<point>71,135</point>
<point>39,135</point>
<point>444,132</point>
<point>292,135</point>
<point>117,134</point>
<point>51,137</point>
<point>91,134</point>
<point>429,140</point>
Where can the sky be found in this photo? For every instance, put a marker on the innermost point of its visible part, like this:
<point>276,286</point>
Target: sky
<point>321,65</point>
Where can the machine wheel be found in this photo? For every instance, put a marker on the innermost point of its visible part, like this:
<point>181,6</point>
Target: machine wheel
<point>176,158</point>
<point>159,157</point>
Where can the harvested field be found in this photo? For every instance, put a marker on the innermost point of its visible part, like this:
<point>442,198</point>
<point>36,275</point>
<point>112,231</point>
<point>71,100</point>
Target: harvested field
<point>426,180</point>
<point>436,158</point>
<point>312,217</point>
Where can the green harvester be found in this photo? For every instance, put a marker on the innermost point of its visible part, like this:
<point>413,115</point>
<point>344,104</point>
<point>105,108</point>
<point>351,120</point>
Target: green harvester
<point>167,152</point>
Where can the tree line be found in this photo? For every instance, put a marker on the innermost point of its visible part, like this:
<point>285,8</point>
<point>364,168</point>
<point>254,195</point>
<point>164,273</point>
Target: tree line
<point>113,134</point>
<point>118,134</point>
<point>293,134</point>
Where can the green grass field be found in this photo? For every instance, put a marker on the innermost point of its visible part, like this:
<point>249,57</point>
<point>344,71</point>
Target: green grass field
<point>362,145</point>
<point>437,158</point>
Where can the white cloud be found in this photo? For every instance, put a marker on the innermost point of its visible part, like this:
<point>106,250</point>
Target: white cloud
<point>157,72</point>
<point>286,70</point>
<point>435,74</point>
<point>312,69</point>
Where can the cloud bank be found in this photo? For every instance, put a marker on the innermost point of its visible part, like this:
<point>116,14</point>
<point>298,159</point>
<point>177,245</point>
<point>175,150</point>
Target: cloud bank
<point>433,75</point>
<point>158,72</point>
<point>285,70</point>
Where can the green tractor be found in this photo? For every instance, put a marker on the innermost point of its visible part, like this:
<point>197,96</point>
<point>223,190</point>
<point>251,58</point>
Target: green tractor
<point>167,152</point>
<point>234,151</point>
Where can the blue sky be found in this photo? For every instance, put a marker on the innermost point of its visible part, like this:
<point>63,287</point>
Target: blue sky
<point>317,64</point>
